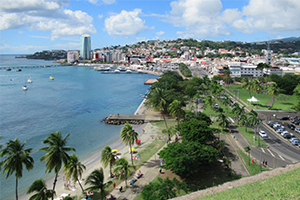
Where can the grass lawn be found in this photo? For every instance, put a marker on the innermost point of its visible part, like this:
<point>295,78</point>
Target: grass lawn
<point>249,136</point>
<point>253,168</point>
<point>283,186</point>
<point>263,99</point>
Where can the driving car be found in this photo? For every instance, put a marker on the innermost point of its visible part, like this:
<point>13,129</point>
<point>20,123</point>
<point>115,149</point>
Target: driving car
<point>262,134</point>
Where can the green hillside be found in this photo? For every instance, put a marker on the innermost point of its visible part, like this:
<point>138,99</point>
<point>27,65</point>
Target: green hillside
<point>283,186</point>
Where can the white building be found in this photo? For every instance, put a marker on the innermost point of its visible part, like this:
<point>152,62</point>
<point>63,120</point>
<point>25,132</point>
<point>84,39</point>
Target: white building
<point>239,69</point>
<point>273,70</point>
<point>72,56</point>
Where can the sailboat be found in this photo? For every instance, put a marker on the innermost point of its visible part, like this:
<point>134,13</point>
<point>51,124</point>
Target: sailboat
<point>29,80</point>
<point>51,77</point>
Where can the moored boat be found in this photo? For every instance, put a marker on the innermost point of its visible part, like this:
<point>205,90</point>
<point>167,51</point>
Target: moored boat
<point>24,87</point>
<point>8,69</point>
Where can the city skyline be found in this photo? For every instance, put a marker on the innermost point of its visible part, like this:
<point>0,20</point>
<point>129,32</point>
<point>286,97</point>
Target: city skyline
<point>36,25</point>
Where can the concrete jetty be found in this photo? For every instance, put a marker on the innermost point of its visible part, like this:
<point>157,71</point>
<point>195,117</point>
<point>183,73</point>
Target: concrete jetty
<point>131,119</point>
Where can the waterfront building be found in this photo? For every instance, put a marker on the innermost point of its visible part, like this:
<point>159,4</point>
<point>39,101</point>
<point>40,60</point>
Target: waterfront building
<point>72,56</point>
<point>85,49</point>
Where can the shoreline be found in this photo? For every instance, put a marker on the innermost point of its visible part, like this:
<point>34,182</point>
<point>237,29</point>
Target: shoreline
<point>92,162</point>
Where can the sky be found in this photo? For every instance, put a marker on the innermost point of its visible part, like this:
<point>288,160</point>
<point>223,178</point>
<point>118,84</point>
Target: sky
<point>28,26</point>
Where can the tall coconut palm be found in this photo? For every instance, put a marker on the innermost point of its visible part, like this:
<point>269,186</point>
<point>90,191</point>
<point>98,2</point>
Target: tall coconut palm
<point>226,101</point>
<point>128,136</point>
<point>256,87</point>
<point>123,166</point>
<point>273,90</point>
<point>96,182</point>
<point>56,153</point>
<point>176,110</point>
<point>223,121</point>
<point>74,169</point>
<point>247,85</point>
<point>15,156</point>
<point>248,150</point>
<point>157,98</point>
<point>108,157</point>
<point>209,101</point>
<point>42,193</point>
<point>244,121</point>
<point>238,111</point>
<point>254,120</point>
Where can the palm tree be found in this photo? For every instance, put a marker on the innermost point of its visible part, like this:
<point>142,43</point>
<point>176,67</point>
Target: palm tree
<point>176,110</point>
<point>273,90</point>
<point>157,98</point>
<point>247,149</point>
<point>15,156</point>
<point>128,136</point>
<point>226,101</point>
<point>254,120</point>
<point>74,169</point>
<point>171,131</point>
<point>209,101</point>
<point>56,153</point>
<point>96,182</point>
<point>256,87</point>
<point>123,166</point>
<point>108,157</point>
<point>244,121</point>
<point>238,111</point>
<point>223,120</point>
<point>247,85</point>
<point>42,193</point>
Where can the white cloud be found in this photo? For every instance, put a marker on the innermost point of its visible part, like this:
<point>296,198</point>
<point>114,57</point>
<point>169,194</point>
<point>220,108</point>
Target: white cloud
<point>205,19</point>
<point>45,15</point>
<point>269,15</point>
<point>200,18</point>
<point>126,23</point>
<point>108,1</point>
<point>100,16</point>
<point>160,33</point>
<point>93,1</point>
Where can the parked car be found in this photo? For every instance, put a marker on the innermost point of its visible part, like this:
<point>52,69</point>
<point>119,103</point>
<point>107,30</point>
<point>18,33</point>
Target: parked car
<point>296,142</point>
<point>262,134</point>
<point>284,132</point>
<point>270,123</point>
<point>297,130</point>
<point>216,106</point>
<point>287,135</point>
<point>276,126</point>
<point>280,130</point>
<point>293,138</point>
<point>291,126</point>
<point>296,122</point>
<point>284,118</point>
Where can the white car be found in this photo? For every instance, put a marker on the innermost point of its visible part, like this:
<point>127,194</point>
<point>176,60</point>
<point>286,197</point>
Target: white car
<point>284,132</point>
<point>297,130</point>
<point>262,134</point>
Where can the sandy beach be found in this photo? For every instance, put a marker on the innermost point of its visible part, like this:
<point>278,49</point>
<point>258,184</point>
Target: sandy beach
<point>93,162</point>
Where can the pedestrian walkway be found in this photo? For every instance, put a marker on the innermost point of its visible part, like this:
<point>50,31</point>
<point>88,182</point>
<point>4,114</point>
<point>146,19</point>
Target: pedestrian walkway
<point>150,170</point>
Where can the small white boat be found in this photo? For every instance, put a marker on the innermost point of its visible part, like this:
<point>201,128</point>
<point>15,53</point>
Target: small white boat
<point>128,71</point>
<point>24,87</point>
<point>117,71</point>
<point>29,80</point>
<point>140,71</point>
<point>51,78</point>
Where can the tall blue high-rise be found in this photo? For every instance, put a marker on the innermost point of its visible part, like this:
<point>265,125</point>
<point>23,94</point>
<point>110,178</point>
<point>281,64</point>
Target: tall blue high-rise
<point>85,49</point>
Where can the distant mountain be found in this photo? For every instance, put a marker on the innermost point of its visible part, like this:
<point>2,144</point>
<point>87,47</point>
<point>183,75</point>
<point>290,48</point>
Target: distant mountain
<point>289,39</point>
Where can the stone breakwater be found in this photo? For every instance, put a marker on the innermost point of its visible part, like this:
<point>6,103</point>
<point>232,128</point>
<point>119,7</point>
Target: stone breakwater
<point>122,119</point>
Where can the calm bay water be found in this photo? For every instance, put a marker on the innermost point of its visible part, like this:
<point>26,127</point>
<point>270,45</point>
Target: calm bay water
<point>75,102</point>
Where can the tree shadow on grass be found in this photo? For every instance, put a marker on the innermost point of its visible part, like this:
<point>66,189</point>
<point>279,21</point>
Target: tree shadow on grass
<point>210,175</point>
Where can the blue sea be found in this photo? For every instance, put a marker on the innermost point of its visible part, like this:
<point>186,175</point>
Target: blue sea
<point>75,102</point>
